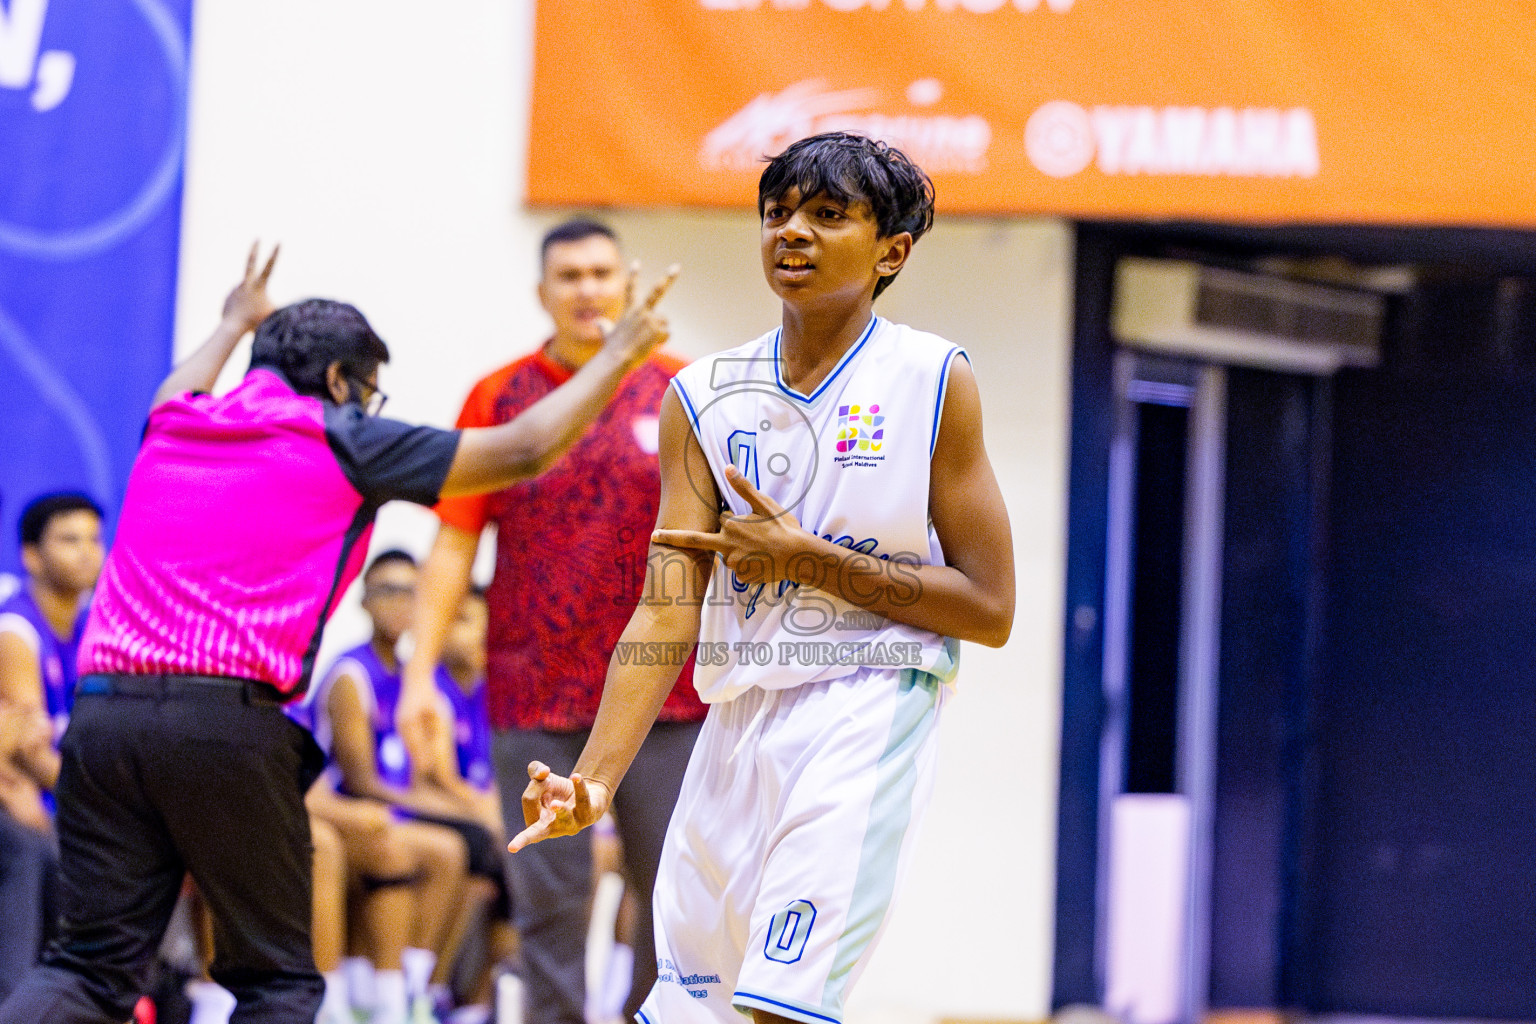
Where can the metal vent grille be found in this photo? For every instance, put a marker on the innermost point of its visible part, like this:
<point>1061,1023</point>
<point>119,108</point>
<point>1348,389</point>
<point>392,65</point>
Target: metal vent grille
<point>1284,309</point>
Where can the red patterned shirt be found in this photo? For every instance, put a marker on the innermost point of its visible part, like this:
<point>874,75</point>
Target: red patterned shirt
<point>570,549</point>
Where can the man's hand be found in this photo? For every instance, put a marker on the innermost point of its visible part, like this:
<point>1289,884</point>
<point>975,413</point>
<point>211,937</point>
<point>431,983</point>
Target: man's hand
<point>37,734</point>
<point>554,805</point>
<point>372,817</point>
<point>763,547</point>
<point>639,330</point>
<point>13,726</point>
<point>418,716</point>
<point>247,305</point>
<point>244,309</point>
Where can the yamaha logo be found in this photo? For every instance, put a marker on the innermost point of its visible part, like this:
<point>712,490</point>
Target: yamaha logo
<point>1062,139</point>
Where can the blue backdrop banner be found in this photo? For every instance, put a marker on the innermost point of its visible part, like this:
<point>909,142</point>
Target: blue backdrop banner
<point>93,99</point>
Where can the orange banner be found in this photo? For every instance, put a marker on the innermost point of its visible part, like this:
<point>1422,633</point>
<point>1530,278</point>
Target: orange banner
<point>1339,111</point>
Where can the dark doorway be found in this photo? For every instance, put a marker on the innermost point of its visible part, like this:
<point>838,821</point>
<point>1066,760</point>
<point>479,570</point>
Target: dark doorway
<point>1162,440</point>
<point>1418,891</point>
<point>1375,821</point>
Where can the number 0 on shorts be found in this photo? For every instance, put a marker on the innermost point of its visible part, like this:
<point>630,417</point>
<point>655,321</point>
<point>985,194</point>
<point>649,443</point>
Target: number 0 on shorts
<point>789,931</point>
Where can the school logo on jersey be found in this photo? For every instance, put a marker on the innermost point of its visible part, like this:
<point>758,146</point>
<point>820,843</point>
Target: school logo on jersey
<point>860,435</point>
<point>860,428</point>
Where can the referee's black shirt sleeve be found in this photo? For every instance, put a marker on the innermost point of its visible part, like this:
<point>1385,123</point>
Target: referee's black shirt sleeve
<point>388,460</point>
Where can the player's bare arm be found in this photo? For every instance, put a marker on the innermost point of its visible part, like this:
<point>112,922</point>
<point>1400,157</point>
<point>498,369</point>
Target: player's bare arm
<point>490,458</point>
<point>633,694</point>
<point>970,597</point>
<point>18,791</point>
<point>352,744</point>
<point>21,688</point>
<point>21,677</point>
<point>244,309</point>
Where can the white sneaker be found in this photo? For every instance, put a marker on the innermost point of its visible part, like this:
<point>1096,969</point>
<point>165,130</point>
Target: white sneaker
<point>421,1011</point>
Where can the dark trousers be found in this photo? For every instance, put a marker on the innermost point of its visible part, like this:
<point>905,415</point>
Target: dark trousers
<point>552,881</point>
<point>184,776</point>
<point>29,867</point>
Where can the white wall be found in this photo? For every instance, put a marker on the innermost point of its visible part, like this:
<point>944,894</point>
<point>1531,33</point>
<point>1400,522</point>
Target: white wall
<point>384,146</point>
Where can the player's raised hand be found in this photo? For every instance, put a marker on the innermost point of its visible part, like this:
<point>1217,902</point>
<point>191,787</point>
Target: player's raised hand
<point>247,304</point>
<point>640,329</point>
<point>761,547</point>
<point>554,805</point>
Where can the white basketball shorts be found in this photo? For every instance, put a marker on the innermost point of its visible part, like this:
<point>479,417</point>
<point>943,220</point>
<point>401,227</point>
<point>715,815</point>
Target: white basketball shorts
<point>794,824</point>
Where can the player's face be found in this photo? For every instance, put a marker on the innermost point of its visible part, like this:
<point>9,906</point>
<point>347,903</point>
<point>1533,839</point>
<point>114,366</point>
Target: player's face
<point>70,554</point>
<point>818,248</point>
<point>583,282</point>
<point>465,643</point>
<point>388,594</point>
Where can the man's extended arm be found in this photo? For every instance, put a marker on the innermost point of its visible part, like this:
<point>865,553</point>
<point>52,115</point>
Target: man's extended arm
<point>970,597</point>
<point>244,310</point>
<point>490,458</point>
<point>633,694</point>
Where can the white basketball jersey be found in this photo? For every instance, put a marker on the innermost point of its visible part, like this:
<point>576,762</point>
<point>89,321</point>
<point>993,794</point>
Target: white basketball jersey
<point>851,462</point>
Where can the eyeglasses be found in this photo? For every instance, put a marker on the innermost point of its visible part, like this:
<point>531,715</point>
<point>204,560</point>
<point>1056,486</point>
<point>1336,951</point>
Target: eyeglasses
<point>371,398</point>
<point>389,590</point>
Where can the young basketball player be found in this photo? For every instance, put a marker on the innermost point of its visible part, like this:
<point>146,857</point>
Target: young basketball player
<point>836,468</point>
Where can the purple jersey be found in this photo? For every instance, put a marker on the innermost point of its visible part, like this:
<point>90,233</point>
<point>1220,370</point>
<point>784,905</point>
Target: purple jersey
<point>471,730</point>
<point>21,616</point>
<point>378,690</point>
<point>246,517</point>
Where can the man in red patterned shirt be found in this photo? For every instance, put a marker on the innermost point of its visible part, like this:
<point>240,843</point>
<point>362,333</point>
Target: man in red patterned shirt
<point>570,557</point>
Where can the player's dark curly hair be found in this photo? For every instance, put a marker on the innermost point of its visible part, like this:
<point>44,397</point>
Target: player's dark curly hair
<point>852,168</point>
<point>390,557</point>
<point>301,340</point>
<point>43,509</point>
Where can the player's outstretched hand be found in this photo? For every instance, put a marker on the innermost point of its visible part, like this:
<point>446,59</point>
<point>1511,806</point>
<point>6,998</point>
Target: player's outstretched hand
<point>640,329</point>
<point>761,547</point>
<point>247,305</point>
<point>554,805</point>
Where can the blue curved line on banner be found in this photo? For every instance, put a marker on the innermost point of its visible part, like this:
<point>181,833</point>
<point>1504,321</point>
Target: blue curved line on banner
<point>56,391</point>
<point>76,243</point>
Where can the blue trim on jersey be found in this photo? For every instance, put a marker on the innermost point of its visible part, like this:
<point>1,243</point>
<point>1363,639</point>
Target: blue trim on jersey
<point>641,1017</point>
<point>794,1011</point>
<point>778,376</point>
<point>938,401</point>
<point>687,403</point>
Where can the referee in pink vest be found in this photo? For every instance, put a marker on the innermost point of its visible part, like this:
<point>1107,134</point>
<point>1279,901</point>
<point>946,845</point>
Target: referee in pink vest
<point>246,518</point>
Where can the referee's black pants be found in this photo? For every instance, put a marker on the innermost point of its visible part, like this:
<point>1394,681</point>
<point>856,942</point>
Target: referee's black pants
<point>163,775</point>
